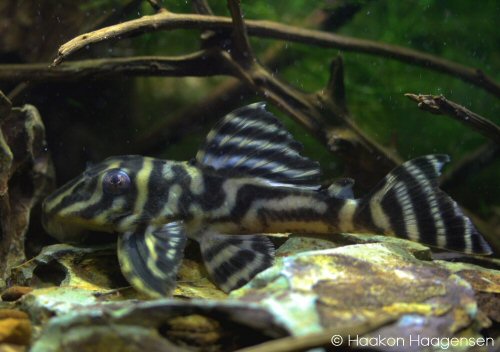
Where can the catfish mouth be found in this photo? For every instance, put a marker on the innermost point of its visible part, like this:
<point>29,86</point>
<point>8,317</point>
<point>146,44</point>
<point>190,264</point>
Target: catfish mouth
<point>66,231</point>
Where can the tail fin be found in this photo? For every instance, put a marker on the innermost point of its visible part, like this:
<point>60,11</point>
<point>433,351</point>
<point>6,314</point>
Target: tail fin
<point>408,203</point>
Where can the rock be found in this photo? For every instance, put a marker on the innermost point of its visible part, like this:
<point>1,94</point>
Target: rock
<point>160,325</point>
<point>45,303</point>
<point>80,302</point>
<point>15,292</point>
<point>484,281</point>
<point>8,347</point>
<point>193,282</point>
<point>15,327</point>
<point>26,175</point>
<point>333,288</point>
<point>96,269</point>
<point>92,268</point>
<point>300,243</point>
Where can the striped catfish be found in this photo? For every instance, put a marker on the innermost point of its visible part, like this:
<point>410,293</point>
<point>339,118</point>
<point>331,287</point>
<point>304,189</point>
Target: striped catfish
<point>248,179</point>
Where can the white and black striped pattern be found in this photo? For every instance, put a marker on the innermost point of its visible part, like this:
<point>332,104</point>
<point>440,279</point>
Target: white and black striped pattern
<point>150,257</point>
<point>251,141</point>
<point>409,204</point>
<point>233,260</point>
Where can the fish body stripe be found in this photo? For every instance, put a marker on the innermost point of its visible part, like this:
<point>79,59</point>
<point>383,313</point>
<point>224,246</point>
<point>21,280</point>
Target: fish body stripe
<point>256,208</point>
<point>380,218</point>
<point>346,211</point>
<point>158,189</point>
<point>453,224</point>
<point>142,184</point>
<point>425,228</point>
<point>394,211</point>
<point>409,218</point>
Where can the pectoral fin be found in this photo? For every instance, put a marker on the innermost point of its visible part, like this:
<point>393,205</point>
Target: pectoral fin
<point>233,260</point>
<point>150,257</point>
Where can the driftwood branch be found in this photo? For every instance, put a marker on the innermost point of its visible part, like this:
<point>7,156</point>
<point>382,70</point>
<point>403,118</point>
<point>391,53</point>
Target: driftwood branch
<point>330,123</point>
<point>102,21</point>
<point>439,105</point>
<point>180,123</point>
<point>243,52</point>
<point>335,88</point>
<point>268,29</point>
<point>156,5</point>
<point>323,113</point>
<point>202,7</point>
<point>5,105</point>
<point>201,63</point>
<point>229,94</point>
<point>114,16</point>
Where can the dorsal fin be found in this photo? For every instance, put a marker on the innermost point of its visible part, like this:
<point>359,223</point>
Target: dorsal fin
<point>251,141</point>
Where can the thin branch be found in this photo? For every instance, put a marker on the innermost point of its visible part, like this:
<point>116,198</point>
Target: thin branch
<point>242,51</point>
<point>322,117</point>
<point>157,7</point>
<point>439,105</point>
<point>202,7</point>
<point>269,29</point>
<point>201,63</point>
<point>105,20</point>
<point>5,106</point>
<point>113,16</point>
<point>335,88</point>
<point>470,164</point>
<point>19,90</point>
<point>174,127</point>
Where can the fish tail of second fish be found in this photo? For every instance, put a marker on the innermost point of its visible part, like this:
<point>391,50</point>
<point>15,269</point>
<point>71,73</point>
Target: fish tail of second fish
<point>408,204</point>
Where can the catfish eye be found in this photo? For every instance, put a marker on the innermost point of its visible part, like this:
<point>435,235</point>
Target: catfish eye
<point>116,182</point>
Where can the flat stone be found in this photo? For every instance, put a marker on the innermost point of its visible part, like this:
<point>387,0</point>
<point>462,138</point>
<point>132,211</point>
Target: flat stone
<point>159,325</point>
<point>334,288</point>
